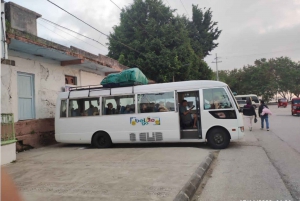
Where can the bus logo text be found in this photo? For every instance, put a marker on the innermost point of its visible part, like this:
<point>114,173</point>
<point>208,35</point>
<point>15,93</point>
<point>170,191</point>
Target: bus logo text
<point>145,121</point>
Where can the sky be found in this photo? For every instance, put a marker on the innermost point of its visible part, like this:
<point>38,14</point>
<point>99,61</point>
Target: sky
<point>250,29</point>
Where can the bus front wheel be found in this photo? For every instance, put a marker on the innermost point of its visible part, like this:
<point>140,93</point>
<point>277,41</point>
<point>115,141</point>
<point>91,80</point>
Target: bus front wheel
<point>101,140</point>
<point>218,138</point>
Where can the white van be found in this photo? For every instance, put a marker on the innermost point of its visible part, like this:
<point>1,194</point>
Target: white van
<point>253,97</point>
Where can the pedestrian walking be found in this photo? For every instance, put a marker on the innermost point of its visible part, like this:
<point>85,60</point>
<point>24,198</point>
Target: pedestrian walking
<point>249,112</point>
<point>264,112</point>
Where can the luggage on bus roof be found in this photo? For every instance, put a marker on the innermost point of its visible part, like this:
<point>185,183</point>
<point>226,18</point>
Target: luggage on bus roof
<point>110,81</point>
<point>129,77</point>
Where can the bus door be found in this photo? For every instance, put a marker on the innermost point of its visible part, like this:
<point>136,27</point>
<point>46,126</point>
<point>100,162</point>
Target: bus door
<point>187,128</point>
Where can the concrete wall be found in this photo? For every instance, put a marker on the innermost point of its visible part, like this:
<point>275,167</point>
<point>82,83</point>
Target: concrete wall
<point>21,18</point>
<point>88,78</point>
<point>8,153</point>
<point>49,80</point>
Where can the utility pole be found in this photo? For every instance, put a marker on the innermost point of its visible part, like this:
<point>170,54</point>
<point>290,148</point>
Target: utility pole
<point>217,65</point>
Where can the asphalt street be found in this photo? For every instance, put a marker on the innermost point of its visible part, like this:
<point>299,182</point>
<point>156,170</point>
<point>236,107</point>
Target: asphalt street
<point>264,165</point>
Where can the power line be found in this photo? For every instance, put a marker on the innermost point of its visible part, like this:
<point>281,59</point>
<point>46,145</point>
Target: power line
<point>97,29</point>
<point>115,4</point>
<point>217,65</point>
<point>55,32</point>
<point>185,9</point>
<point>74,31</point>
<point>60,29</point>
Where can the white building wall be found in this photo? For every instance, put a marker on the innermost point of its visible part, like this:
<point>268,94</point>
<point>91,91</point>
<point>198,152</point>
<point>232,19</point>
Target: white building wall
<point>88,78</point>
<point>8,153</point>
<point>49,79</point>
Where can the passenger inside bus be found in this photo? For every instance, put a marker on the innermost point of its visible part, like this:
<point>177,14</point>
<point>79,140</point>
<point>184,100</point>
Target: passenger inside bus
<point>144,108</point>
<point>110,110</point>
<point>95,111</point>
<point>90,110</point>
<point>127,110</point>
<point>186,118</point>
<point>162,108</point>
<point>216,103</point>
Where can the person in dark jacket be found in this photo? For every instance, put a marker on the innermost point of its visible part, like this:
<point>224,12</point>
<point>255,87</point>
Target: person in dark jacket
<point>264,117</point>
<point>249,112</point>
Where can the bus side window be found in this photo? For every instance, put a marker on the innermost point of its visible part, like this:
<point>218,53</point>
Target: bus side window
<point>216,98</point>
<point>156,102</point>
<point>116,105</point>
<point>63,108</point>
<point>83,107</point>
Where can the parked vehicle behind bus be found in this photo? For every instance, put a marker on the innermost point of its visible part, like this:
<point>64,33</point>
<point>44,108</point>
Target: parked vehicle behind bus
<point>148,113</point>
<point>295,106</point>
<point>241,104</point>
<point>254,99</point>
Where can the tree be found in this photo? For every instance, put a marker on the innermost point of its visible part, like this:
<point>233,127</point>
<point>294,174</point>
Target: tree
<point>265,78</point>
<point>203,31</point>
<point>158,43</point>
<point>295,88</point>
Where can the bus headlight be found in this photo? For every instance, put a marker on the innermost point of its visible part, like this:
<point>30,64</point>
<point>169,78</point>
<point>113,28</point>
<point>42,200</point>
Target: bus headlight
<point>294,107</point>
<point>242,128</point>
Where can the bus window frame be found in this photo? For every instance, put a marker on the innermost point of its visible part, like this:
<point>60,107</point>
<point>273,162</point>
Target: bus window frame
<point>134,98</point>
<point>233,97</point>
<point>225,89</point>
<point>94,97</point>
<point>67,108</point>
<point>174,98</point>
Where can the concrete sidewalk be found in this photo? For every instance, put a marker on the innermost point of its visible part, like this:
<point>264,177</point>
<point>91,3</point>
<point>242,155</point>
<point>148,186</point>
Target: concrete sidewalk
<point>74,173</point>
<point>244,173</point>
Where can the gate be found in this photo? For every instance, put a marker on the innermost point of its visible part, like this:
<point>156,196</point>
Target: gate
<point>7,129</point>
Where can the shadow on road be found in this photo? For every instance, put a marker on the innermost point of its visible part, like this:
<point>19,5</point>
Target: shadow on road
<point>201,145</point>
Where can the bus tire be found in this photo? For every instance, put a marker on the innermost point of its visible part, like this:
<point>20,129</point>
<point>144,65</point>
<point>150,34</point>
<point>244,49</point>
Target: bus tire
<point>101,140</point>
<point>218,138</point>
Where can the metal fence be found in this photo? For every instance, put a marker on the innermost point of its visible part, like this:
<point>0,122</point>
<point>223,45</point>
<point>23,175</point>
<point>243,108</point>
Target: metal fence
<point>7,129</point>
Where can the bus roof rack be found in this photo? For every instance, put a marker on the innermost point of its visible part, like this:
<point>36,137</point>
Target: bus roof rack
<point>97,88</point>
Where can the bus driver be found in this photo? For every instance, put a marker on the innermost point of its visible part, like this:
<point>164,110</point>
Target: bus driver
<point>186,117</point>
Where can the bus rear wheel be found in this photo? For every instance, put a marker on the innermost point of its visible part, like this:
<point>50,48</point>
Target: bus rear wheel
<point>218,138</point>
<point>101,140</point>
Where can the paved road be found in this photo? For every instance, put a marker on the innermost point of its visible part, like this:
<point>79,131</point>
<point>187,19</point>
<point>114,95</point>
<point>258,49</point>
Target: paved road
<point>264,165</point>
<point>126,172</point>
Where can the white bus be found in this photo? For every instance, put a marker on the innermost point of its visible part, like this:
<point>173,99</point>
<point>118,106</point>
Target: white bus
<point>83,117</point>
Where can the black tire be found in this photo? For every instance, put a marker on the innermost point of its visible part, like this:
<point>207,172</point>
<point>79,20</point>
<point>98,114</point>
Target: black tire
<point>218,138</point>
<point>101,140</point>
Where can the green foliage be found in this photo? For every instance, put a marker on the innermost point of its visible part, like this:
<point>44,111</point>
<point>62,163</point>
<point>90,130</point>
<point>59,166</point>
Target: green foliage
<point>265,78</point>
<point>165,46</point>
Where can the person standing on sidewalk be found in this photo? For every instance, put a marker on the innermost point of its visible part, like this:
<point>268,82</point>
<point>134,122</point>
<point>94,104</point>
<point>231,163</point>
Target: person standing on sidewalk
<point>249,112</point>
<point>263,116</point>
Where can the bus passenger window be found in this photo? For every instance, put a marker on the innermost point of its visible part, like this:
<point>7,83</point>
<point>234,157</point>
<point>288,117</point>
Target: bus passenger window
<point>63,108</point>
<point>216,98</point>
<point>83,107</point>
<point>156,102</point>
<point>116,105</point>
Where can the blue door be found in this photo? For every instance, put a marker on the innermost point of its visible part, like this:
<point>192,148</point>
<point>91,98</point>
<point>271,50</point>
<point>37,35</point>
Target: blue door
<point>26,96</point>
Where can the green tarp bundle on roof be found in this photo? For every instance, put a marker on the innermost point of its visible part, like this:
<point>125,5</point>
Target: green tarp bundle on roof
<point>129,77</point>
<point>112,80</point>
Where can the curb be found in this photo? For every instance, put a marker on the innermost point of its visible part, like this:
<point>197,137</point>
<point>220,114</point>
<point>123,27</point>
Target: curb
<point>189,189</point>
